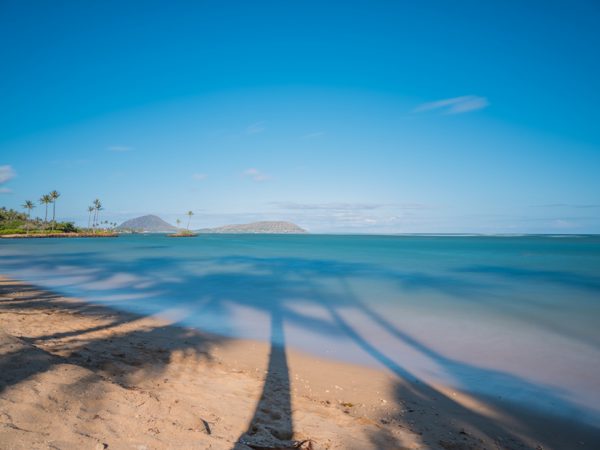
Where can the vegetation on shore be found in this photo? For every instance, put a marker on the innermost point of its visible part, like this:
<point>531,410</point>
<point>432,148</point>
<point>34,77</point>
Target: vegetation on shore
<point>183,233</point>
<point>13,222</point>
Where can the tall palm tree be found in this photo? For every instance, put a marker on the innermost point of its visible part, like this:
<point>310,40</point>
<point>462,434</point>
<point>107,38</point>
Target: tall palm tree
<point>90,211</point>
<point>97,208</point>
<point>178,222</point>
<point>46,200</point>
<point>54,196</point>
<point>28,205</point>
<point>190,214</point>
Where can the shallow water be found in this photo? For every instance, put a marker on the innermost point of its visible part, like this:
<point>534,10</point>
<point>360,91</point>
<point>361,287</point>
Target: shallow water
<point>510,317</point>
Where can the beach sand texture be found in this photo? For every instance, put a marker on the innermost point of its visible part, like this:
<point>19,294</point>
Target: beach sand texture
<point>74,375</point>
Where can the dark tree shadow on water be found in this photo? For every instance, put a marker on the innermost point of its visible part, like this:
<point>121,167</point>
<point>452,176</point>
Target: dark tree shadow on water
<point>556,277</point>
<point>272,286</point>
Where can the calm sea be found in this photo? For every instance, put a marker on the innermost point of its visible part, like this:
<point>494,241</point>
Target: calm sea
<point>510,317</point>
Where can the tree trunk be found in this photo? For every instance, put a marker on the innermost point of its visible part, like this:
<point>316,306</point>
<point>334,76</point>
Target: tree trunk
<point>53,214</point>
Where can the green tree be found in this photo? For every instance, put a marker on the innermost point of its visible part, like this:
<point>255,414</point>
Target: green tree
<point>189,214</point>
<point>54,196</point>
<point>178,222</point>
<point>97,209</point>
<point>45,200</point>
<point>28,205</point>
<point>90,211</point>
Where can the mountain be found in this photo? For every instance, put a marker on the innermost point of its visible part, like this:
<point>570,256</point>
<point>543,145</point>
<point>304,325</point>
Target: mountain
<point>149,224</point>
<point>265,227</point>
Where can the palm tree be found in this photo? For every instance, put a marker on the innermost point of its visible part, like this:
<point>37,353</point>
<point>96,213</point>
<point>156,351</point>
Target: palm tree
<point>97,208</point>
<point>178,222</point>
<point>90,211</point>
<point>190,214</point>
<point>46,200</point>
<point>54,196</point>
<point>28,205</point>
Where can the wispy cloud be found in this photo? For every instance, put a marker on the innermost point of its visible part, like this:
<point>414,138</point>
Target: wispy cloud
<point>567,205</point>
<point>563,224</point>
<point>352,216</point>
<point>327,206</point>
<point>456,105</point>
<point>119,148</point>
<point>200,176</point>
<point>7,173</point>
<point>313,135</point>
<point>342,206</point>
<point>255,175</point>
<point>255,128</point>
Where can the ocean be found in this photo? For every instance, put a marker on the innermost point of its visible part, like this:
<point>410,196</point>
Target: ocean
<point>510,317</point>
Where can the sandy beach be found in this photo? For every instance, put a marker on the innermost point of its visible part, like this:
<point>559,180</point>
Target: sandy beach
<point>75,375</point>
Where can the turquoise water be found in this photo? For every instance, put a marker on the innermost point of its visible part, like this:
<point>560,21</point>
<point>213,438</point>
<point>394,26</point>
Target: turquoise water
<point>510,317</point>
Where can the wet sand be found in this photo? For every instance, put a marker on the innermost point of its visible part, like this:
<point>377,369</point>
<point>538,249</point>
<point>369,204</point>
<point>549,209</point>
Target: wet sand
<point>76,375</point>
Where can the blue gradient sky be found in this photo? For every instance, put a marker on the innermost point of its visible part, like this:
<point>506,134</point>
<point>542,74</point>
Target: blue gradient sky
<point>347,117</point>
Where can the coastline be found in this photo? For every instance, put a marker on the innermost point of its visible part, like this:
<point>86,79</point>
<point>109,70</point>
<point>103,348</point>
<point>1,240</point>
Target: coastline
<point>58,235</point>
<point>80,375</point>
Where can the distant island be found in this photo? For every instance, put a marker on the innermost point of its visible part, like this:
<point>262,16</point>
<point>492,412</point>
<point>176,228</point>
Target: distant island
<point>264,227</point>
<point>147,224</point>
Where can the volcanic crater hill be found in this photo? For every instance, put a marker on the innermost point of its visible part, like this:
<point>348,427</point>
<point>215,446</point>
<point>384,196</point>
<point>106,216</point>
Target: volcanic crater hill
<point>149,224</point>
<point>264,227</point>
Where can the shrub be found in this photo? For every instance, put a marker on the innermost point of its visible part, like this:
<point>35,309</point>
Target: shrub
<point>66,227</point>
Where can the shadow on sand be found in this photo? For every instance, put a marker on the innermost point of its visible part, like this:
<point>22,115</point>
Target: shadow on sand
<point>272,286</point>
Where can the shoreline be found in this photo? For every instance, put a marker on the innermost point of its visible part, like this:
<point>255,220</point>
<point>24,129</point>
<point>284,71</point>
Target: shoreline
<point>58,235</point>
<point>83,374</point>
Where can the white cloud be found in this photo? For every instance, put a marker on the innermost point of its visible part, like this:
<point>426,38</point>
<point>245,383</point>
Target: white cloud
<point>255,128</point>
<point>200,176</point>
<point>255,175</point>
<point>456,105</point>
<point>7,173</point>
<point>119,148</point>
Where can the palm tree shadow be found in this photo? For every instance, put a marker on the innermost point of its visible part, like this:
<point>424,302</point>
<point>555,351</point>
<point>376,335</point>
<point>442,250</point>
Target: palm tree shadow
<point>270,285</point>
<point>130,354</point>
<point>272,416</point>
<point>467,427</point>
<point>512,426</point>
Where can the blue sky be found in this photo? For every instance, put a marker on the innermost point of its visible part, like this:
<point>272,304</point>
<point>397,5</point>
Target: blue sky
<point>346,117</point>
